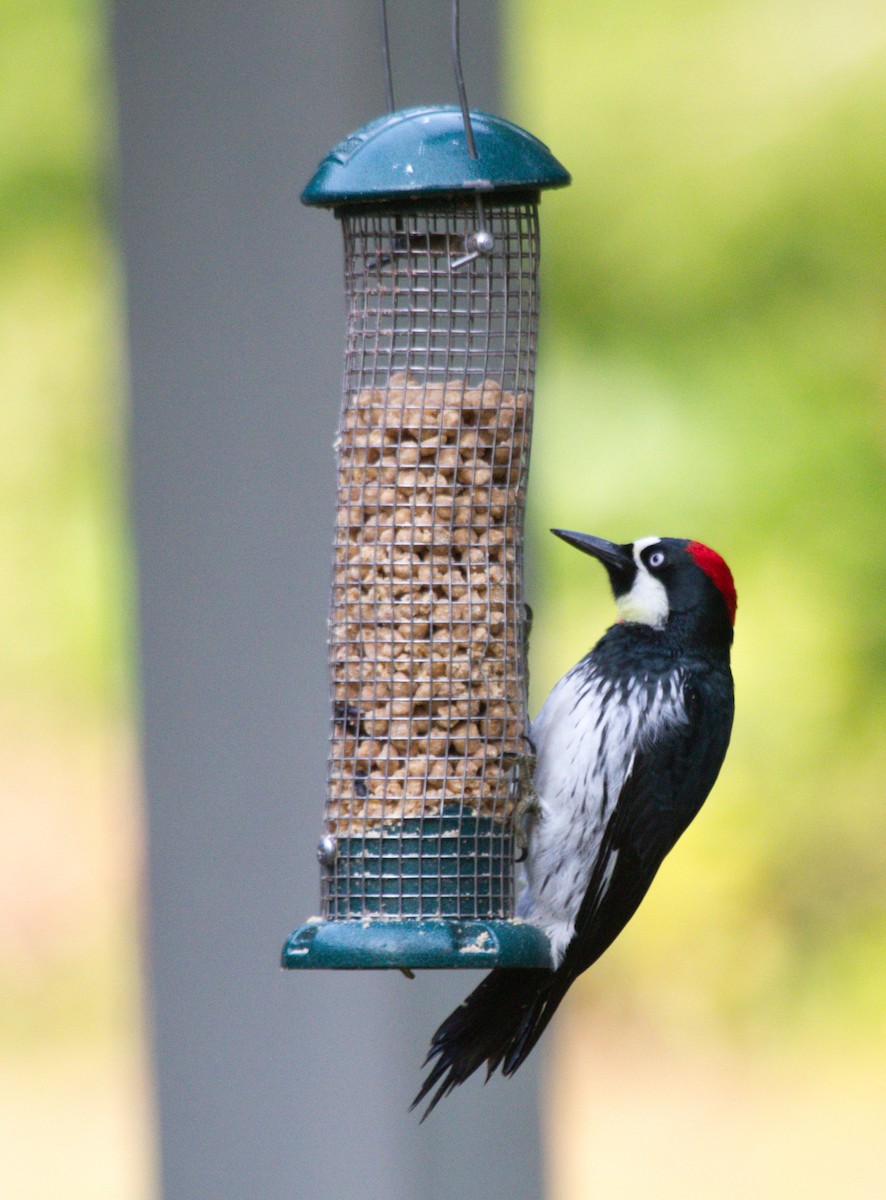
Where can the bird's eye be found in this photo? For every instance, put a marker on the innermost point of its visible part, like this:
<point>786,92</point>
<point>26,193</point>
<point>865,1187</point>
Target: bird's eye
<point>656,559</point>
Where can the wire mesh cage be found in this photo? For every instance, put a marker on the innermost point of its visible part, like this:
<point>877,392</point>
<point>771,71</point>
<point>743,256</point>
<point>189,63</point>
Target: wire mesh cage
<point>427,636</point>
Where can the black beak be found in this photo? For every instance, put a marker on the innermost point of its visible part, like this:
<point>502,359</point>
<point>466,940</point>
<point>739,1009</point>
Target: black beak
<point>617,559</point>
<point>609,553</point>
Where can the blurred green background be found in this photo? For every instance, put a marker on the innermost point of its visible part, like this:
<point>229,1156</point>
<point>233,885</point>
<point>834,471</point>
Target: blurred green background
<point>72,1098</point>
<point>713,364</point>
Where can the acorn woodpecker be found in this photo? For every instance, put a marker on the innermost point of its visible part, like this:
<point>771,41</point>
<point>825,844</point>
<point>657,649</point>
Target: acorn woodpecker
<point>627,747</point>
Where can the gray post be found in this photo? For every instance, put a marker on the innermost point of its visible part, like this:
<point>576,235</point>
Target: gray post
<point>268,1084</point>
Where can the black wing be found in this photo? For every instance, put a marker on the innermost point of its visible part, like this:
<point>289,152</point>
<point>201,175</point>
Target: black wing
<point>667,785</point>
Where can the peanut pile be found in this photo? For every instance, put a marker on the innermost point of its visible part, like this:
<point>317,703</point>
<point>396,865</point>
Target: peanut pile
<point>425,650</point>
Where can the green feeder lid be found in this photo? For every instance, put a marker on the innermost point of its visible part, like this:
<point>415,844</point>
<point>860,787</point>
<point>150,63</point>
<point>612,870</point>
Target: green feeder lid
<point>423,152</point>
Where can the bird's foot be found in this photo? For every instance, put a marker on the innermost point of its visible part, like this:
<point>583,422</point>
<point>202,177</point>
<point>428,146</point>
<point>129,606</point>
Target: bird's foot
<point>524,797</point>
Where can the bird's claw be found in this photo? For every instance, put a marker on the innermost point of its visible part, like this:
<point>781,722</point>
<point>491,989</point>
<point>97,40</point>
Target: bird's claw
<point>524,797</point>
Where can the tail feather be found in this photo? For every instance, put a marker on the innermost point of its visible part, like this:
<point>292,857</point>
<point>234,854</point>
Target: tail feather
<point>498,1024</point>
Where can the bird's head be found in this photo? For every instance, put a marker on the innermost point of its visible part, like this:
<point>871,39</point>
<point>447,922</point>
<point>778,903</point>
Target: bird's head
<point>666,581</point>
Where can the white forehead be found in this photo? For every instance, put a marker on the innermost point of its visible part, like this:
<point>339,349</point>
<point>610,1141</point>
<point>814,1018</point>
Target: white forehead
<point>640,546</point>
<point>647,601</point>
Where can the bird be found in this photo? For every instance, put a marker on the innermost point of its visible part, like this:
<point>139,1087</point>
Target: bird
<point>626,748</point>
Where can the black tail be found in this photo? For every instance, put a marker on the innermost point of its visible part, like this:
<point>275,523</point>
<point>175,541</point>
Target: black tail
<point>498,1024</point>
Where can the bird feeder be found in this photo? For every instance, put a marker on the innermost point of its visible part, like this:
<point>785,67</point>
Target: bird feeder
<point>427,638</point>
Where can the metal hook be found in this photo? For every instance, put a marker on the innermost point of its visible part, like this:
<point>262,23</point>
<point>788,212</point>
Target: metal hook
<point>479,243</point>
<point>386,53</point>
<point>460,82</point>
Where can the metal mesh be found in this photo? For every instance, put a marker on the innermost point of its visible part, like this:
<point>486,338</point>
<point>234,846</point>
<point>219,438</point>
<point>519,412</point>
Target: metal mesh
<point>426,624</point>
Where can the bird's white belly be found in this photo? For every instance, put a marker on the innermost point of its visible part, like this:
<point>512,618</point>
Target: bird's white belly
<point>585,742</point>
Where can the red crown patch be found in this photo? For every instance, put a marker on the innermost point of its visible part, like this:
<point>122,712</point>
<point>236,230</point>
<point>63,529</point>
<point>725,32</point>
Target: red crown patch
<point>718,573</point>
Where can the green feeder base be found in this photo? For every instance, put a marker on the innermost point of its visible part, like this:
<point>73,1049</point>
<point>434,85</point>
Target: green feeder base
<point>414,944</point>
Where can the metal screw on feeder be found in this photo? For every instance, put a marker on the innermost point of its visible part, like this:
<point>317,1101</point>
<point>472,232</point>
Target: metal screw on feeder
<point>439,211</point>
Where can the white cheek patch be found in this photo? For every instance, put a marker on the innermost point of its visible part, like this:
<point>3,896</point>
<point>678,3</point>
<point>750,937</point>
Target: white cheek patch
<point>647,601</point>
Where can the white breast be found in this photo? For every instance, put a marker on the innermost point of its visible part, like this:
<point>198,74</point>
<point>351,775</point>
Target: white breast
<point>585,741</point>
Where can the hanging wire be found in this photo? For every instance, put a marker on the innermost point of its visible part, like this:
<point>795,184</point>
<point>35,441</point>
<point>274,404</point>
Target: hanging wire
<point>460,81</point>
<point>386,53</point>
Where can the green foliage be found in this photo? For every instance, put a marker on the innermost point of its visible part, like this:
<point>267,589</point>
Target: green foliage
<point>712,366</point>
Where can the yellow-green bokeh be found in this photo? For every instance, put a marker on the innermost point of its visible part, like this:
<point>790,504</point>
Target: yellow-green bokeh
<point>61,603</point>
<point>72,1086</point>
<point>713,366</point>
